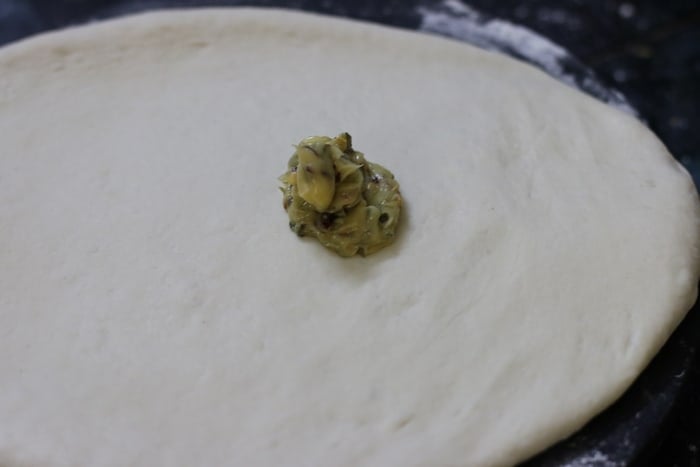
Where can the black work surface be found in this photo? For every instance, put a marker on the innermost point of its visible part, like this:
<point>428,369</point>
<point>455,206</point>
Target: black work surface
<point>650,51</point>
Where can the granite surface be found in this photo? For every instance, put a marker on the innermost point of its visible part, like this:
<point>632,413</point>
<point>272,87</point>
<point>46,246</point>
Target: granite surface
<point>650,51</point>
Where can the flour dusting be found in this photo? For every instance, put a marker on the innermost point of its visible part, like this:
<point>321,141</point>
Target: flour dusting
<point>594,459</point>
<point>452,18</point>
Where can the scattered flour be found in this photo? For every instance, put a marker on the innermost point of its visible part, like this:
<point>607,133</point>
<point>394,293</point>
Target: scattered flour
<point>594,459</point>
<point>452,18</point>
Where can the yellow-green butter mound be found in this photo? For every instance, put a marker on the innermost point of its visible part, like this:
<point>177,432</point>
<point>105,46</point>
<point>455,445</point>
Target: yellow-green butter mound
<point>331,192</point>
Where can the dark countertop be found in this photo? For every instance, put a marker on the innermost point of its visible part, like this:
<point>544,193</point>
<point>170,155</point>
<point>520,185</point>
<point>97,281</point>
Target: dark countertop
<point>649,50</point>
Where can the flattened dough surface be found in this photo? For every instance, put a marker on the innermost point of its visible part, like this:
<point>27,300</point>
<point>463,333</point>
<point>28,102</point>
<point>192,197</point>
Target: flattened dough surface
<point>155,309</point>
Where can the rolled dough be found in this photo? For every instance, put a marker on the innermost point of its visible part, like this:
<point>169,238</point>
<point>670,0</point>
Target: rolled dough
<point>155,310</point>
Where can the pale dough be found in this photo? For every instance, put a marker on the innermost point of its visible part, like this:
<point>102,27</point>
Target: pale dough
<point>155,309</point>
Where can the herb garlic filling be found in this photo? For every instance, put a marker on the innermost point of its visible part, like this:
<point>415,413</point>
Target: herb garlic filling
<point>331,192</point>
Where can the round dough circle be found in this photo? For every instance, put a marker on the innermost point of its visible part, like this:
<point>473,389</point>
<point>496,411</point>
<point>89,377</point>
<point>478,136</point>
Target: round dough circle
<point>156,310</point>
